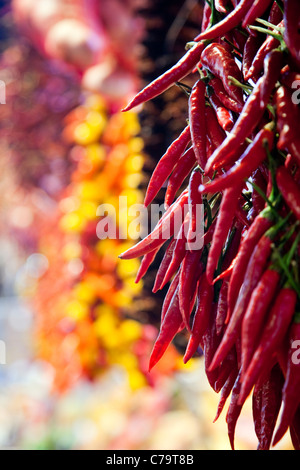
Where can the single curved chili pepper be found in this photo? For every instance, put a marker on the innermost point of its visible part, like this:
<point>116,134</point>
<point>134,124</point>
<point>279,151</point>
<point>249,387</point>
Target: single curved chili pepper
<point>232,20</point>
<point>223,114</point>
<point>145,264</point>
<point>166,164</point>
<point>289,189</point>
<point>255,269</point>
<point>176,73</point>
<point>179,252</point>
<point>226,390</point>
<point>181,170</point>
<point>234,411</point>
<point>219,90</point>
<point>224,223</point>
<point>291,30</point>
<point>215,133</point>
<point>250,50</point>
<point>221,6</point>
<point>261,224</point>
<point>256,312</point>
<point>254,155</point>
<point>197,121</point>
<point>295,430</point>
<point>221,63</point>
<point>287,114</point>
<point>164,266</point>
<point>161,233</point>
<point>206,17</point>
<point>171,325</point>
<point>272,67</point>
<point>189,271</point>
<point>256,11</point>
<point>244,126</point>
<point>260,182</point>
<point>290,393</point>
<point>258,62</point>
<point>266,402</point>
<point>205,296</point>
<point>195,203</point>
<point>277,325</point>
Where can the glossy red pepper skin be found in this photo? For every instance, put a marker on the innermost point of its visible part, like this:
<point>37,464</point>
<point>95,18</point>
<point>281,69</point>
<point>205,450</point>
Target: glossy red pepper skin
<point>197,122</point>
<point>195,206</point>
<point>221,63</point>
<point>180,172</point>
<point>173,287</point>
<point>258,62</point>
<point>256,11</point>
<point>291,396</point>
<point>227,101</point>
<point>256,313</point>
<point>145,264</point>
<point>164,265</point>
<point>287,114</point>
<point>289,190</point>
<point>190,270</point>
<point>221,6</point>
<point>253,43</point>
<point>228,23</point>
<point>223,114</point>
<point>250,160</point>
<point>166,164</point>
<point>266,403</point>
<point>272,67</point>
<point>234,411</point>
<point>279,320</point>
<point>176,73</point>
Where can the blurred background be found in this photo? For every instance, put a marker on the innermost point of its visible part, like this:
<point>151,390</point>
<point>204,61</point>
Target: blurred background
<point>76,330</point>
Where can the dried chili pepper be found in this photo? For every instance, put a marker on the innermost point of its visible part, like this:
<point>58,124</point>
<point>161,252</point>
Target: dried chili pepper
<point>226,390</point>
<point>221,5</point>
<point>195,206</point>
<point>295,430</point>
<point>291,31</point>
<point>234,411</point>
<point>166,164</point>
<point>190,270</point>
<point>250,50</point>
<point>221,63</point>
<point>205,296</point>
<point>223,114</point>
<point>171,76</point>
<point>197,122</point>
<point>161,272</point>
<point>145,264</point>
<point>290,393</point>
<point>277,325</point>
<point>219,90</point>
<point>215,133</point>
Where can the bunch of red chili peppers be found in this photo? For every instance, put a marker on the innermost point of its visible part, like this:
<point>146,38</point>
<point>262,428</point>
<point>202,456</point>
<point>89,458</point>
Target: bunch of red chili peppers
<point>238,297</point>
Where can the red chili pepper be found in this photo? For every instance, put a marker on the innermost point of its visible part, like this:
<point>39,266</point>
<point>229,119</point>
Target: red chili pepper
<point>234,411</point>
<point>169,296</point>
<point>166,164</point>
<point>215,133</point>
<point>145,264</point>
<point>272,67</point>
<point>244,126</point>
<point>254,155</point>
<point>261,224</point>
<point>291,31</point>
<point>219,90</point>
<point>197,121</point>
<point>289,190</point>
<point>171,76</point>
<point>291,396</point>
<point>221,6</point>
<point>195,206</point>
<point>189,271</point>
<point>266,402</point>
<point>250,50</point>
<point>221,63</point>
<point>178,252</point>
<point>170,326</point>
<point>256,11</point>
<point>164,266</point>
<point>287,114</point>
<point>227,24</point>
<point>226,390</point>
<point>275,15</point>
<point>181,170</point>
<point>161,233</point>
<point>224,223</point>
<point>205,296</point>
<point>223,114</point>
<point>277,325</point>
<point>255,316</point>
<point>258,62</point>
<point>255,269</point>
<point>206,17</point>
<point>260,182</point>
